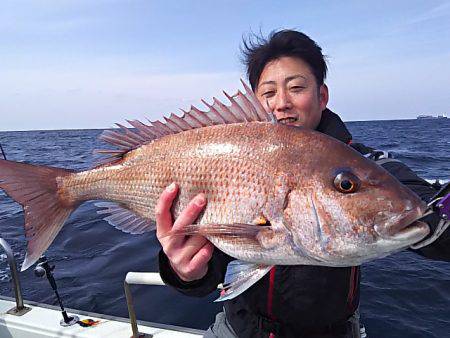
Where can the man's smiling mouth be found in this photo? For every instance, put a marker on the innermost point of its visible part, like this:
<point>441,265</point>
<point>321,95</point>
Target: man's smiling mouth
<point>288,120</point>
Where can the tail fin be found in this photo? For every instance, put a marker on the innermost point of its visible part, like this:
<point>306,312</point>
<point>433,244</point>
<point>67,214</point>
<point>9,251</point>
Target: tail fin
<point>36,189</point>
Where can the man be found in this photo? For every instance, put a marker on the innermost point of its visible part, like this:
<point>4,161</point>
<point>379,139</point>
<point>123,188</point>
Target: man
<point>287,73</point>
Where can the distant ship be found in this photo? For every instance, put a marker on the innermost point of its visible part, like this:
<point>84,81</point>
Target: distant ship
<point>430,117</point>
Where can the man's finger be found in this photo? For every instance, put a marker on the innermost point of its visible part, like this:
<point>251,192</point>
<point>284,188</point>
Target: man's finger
<point>191,212</point>
<point>203,255</point>
<point>192,245</point>
<point>163,215</point>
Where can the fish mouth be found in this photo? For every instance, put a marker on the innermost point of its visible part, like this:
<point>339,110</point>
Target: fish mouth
<point>288,120</point>
<point>413,233</point>
<point>405,228</point>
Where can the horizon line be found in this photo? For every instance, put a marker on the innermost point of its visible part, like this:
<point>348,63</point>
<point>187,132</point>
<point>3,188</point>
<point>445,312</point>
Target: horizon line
<point>106,128</point>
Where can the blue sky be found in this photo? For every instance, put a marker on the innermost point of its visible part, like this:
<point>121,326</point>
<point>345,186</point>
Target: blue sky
<point>89,64</point>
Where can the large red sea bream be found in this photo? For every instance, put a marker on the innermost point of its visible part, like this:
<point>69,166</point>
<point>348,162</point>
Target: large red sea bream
<point>276,194</point>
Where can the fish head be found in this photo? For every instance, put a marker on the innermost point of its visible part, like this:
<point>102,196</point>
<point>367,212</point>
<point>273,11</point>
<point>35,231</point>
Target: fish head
<point>353,212</point>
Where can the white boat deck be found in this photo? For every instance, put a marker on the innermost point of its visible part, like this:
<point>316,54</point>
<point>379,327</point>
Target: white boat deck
<point>43,321</point>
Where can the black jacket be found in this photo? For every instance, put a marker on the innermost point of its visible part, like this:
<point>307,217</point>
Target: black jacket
<point>304,298</point>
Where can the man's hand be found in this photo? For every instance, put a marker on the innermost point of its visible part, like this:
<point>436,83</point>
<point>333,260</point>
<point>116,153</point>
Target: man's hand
<point>188,255</point>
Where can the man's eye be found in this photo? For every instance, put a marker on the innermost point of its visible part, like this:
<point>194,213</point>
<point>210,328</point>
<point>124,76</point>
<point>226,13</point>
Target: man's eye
<point>297,88</point>
<point>269,93</point>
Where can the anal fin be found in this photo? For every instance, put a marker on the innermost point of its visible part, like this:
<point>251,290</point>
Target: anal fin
<point>239,277</point>
<point>124,219</point>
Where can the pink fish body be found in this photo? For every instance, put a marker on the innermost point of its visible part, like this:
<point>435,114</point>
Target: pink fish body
<point>276,194</point>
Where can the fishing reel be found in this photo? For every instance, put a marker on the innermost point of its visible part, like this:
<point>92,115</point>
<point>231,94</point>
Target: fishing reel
<point>440,204</point>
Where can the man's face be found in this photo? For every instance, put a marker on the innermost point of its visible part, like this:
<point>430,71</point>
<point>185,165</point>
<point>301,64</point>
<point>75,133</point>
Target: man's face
<point>289,89</point>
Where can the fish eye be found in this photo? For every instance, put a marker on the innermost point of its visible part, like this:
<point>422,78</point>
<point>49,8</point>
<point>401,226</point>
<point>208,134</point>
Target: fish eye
<point>346,182</point>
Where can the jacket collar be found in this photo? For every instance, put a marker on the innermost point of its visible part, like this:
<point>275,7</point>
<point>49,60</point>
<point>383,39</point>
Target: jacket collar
<point>332,125</point>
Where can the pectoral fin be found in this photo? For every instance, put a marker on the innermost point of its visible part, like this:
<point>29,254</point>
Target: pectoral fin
<point>265,235</point>
<point>232,230</point>
<point>239,277</point>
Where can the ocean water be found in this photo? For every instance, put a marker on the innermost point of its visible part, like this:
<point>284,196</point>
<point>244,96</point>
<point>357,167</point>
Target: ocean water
<point>403,295</point>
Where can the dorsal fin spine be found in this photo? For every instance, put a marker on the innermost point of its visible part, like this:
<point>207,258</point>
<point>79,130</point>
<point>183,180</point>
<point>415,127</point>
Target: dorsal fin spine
<point>130,135</point>
<point>243,108</point>
<point>143,129</point>
<point>133,134</point>
<point>245,104</point>
<point>161,128</point>
<point>125,139</point>
<point>201,116</point>
<point>226,111</point>
<point>113,140</point>
<point>180,122</point>
<point>216,113</point>
<point>260,111</point>
<point>172,124</point>
<point>235,104</point>
<point>250,107</point>
<point>194,122</point>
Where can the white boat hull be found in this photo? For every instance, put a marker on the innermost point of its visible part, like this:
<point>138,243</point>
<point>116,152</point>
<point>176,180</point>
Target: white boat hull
<point>43,321</point>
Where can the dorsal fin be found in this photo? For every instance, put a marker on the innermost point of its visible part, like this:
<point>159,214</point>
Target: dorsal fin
<point>244,107</point>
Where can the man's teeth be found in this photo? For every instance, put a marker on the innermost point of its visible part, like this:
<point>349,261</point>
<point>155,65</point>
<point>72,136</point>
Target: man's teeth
<point>287,120</point>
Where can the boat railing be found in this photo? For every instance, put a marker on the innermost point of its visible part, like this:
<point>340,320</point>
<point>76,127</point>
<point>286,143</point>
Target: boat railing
<point>138,278</point>
<point>20,309</point>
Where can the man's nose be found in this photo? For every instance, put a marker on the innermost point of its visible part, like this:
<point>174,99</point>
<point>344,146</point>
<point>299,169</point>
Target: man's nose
<point>282,102</point>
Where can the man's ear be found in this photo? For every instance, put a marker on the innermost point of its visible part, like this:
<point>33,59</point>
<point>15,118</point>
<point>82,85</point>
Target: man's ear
<point>323,96</point>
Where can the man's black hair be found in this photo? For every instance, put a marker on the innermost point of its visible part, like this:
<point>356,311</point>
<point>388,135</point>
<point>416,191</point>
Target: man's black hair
<point>258,51</point>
